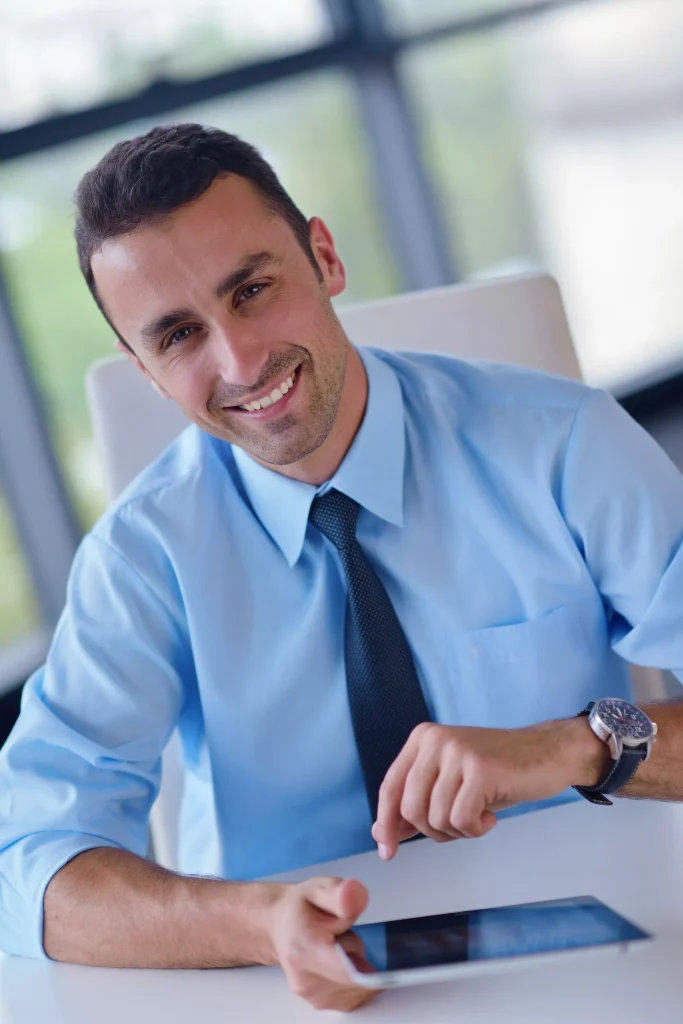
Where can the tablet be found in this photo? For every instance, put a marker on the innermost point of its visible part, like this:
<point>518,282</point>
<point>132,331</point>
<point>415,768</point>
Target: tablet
<point>416,950</point>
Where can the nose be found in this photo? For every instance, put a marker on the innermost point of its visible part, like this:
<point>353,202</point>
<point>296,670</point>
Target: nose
<point>237,352</point>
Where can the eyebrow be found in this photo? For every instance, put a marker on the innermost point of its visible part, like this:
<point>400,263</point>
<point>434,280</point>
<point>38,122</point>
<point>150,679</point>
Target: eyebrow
<point>155,329</point>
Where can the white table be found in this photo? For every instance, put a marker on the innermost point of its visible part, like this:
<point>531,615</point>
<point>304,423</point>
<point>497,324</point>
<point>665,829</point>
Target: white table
<point>631,856</point>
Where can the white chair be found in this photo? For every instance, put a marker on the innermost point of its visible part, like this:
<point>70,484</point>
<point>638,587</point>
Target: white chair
<point>517,320</point>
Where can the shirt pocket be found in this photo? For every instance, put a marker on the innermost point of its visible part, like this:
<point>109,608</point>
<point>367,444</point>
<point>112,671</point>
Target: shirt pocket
<point>547,667</point>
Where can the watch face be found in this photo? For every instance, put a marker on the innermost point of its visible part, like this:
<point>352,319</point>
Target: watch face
<point>623,719</point>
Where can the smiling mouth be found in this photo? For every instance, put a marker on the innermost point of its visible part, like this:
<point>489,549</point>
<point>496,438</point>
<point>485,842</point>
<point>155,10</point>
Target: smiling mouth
<point>272,397</point>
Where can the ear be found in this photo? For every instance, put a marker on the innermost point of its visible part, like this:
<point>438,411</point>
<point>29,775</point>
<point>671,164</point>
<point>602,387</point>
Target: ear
<point>326,256</point>
<point>130,355</point>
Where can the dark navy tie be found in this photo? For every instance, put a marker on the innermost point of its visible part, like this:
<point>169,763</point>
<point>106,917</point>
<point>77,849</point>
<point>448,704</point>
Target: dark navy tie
<point>385,697</point>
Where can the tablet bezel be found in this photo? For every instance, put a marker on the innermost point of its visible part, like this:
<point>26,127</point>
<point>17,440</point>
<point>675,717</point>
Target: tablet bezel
<point>493,965</point>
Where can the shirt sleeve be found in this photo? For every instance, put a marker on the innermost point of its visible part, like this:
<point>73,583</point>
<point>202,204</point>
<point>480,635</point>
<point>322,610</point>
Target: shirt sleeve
<point>82,766</point>
<point>622,498</point>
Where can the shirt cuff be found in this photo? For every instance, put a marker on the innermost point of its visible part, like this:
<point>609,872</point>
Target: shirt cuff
<point>26,869</point>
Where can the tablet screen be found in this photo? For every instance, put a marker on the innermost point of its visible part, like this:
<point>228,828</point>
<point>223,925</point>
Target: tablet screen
<point>497,932</point>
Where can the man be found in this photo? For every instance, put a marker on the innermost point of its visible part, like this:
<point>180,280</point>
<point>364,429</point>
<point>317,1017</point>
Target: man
<point>364,569</point>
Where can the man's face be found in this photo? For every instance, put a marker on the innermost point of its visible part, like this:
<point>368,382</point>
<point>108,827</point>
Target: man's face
<point>221,306</point>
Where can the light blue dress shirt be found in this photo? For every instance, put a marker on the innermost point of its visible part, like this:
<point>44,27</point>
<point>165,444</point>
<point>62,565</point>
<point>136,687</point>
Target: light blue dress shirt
<point>527,531</point>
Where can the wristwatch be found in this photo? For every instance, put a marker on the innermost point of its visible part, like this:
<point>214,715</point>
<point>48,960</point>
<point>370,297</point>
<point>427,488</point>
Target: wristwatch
<point>629,734</point>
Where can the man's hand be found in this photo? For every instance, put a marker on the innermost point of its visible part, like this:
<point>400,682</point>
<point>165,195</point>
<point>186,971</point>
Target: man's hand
<point>448,781</point>
<point>110,908</point>
<point>308,919</point>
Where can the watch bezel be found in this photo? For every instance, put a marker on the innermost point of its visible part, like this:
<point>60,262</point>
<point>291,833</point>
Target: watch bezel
<point>615,740</point>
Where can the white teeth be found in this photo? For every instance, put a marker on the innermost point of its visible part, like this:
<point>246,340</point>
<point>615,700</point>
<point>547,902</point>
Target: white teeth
<point>275,396</point>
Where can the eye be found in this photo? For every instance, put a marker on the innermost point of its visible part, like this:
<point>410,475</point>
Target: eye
<point>178,337</point>
<point>248,292</point>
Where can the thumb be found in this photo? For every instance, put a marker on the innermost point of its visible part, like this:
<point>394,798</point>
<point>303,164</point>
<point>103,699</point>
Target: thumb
<point>342,898</point>
<point>406,830</point>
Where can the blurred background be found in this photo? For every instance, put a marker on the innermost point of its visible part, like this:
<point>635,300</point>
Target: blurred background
<point>441,140</point>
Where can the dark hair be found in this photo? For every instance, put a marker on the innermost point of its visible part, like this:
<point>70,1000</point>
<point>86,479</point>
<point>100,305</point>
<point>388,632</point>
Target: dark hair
<point>141,180</point>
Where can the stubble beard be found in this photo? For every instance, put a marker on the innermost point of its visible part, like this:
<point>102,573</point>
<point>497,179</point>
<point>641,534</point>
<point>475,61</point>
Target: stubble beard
<point>307,430</point>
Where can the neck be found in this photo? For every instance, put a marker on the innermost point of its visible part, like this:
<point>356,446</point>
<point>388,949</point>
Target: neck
<point>320,465</point>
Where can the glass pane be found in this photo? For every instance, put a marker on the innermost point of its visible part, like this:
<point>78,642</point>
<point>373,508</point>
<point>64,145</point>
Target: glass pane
<point>65,56</point>
<point>306,128</point>
<point>418,15</point>
<point>19,613</point>
<point>559,142</point>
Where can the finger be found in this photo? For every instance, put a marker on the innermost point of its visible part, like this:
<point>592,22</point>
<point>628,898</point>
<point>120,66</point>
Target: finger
<point>342,998</point>
<point>352,944</point>
<point>406,831</point>
<point>355,999</point>
<point>351,999</point>
<point>417,790</point>
<point>469,813</point>
<point>343,899</point>
<point>353,899</point>
<point>311,961</point>
<point>324,962</point>
<point>444,792</point>
<point>386,828</point>
<point>324,981</point>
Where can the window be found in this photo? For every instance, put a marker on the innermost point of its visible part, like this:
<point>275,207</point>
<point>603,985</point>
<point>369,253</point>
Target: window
<point>19,614</point>
<point>74,54</point>
<point>408,16</point>
<point>559,141</point>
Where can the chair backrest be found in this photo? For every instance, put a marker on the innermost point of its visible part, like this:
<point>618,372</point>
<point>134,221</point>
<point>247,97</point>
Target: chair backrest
<point>515,320</point>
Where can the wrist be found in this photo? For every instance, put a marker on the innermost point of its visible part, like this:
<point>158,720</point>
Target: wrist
<point>590,756</point>
<point>234,919</point>
<point>259,911</point>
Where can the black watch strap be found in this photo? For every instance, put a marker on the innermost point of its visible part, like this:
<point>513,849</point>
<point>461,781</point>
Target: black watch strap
<point>621,772</point>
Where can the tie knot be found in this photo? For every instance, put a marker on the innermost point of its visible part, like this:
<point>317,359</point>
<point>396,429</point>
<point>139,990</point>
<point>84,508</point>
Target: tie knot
<point>335,515</point>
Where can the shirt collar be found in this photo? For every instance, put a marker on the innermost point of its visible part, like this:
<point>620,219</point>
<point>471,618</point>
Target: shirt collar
<point>371,472</point>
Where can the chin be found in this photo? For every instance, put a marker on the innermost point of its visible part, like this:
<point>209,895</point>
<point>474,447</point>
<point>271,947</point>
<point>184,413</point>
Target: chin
<point>287,453</point>
<point>284,457</point>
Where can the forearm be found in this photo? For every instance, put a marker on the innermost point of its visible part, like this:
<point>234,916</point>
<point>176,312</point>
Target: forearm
<point>109,908</point>
<point>661,776</point>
